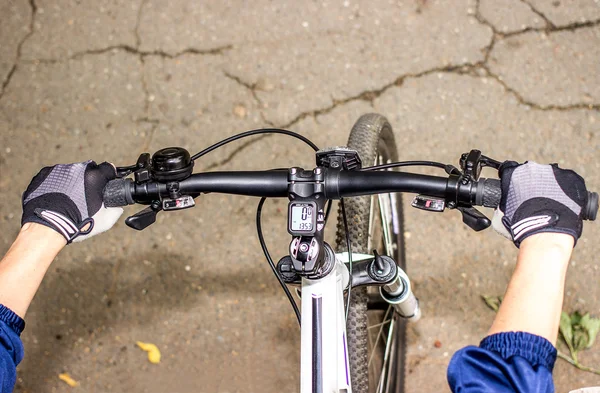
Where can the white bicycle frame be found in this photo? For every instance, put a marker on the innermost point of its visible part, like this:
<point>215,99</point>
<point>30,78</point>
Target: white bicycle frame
<point>324,358</point>
<point>324,361</point>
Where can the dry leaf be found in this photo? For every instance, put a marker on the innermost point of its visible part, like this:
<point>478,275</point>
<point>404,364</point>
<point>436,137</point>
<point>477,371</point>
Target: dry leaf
<point>66,378</point>
<point>493,302</point>
<point>153,352</point>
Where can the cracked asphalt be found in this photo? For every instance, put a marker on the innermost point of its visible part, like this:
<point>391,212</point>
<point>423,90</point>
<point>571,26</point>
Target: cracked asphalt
<point>518,79</point>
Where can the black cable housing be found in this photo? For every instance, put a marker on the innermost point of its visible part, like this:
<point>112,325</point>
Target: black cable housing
<point>263,245</point>
<point>252,133</point>
<point>405,163</point>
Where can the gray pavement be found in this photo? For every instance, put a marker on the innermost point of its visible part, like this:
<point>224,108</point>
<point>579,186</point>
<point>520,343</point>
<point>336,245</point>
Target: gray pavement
<point>109,80</point>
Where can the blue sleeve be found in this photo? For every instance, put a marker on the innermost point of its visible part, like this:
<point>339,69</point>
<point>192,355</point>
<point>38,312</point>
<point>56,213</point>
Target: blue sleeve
<point>504,362</point>
<point>11,347</point>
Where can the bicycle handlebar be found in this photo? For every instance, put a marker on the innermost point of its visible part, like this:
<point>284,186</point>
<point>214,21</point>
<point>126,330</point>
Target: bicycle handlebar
<point>336,184</point>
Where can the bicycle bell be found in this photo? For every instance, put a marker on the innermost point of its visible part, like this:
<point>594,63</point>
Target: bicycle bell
<point>171,164</point>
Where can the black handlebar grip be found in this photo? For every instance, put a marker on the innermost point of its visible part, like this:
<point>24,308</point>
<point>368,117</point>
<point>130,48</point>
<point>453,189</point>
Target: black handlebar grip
<point>117,193</point>
<point>488,193</point>
<point>591,210</point>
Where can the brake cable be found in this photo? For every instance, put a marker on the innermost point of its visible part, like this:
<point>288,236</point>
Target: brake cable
<point>407,163</point>
<point>255,132</point>
<point>263,245</point>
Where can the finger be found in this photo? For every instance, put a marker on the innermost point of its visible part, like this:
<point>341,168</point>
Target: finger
<point>506,166</point>
<point>498,225</point>
<point>108,170</point>
<point>104,219</point>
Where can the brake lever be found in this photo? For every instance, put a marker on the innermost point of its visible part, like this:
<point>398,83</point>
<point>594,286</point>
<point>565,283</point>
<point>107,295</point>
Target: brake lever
<point>124,171</point>
<point>143,218</point>
<point>474,219</point>
<point>487,161</point>
<point>472,162</point>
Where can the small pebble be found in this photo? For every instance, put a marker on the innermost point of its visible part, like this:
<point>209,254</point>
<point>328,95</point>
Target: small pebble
<point>188,268</point>
<point>437,344</point>
<point>240,111</point>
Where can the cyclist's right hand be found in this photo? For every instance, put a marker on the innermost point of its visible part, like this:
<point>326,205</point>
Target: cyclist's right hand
<point>539,198</point>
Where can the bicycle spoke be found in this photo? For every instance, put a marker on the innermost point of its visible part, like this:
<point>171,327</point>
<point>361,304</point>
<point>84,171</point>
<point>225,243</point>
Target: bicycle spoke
<point>379,335</point>
<point>369,334</point>
<point>386,358</point>
<point>378,324</point>
<point>393,350</point>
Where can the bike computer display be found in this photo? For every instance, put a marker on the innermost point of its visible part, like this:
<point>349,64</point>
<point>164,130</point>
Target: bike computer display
<point>302,218</point>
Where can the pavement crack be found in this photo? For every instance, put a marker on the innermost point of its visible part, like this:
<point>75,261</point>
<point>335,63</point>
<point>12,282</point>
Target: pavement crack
<point>220,50</point>
<point>7,79</point>
<point>549,30</point>
<point>576,25</point>
<point>487,50</point>
<point>143,81</point>
<point>367,95</point>
<point>13,69</point>
<point>252,87</point>
<point>475,70</point>
<point>371,95</point>
<point>136,51</point>
<point>522,100</point>
<point>145,88</point>
<point>138,21</point>
<point>498,36</point>
<point>549,24</point>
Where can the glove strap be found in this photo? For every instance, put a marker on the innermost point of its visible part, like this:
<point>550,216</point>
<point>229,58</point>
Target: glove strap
<point>64,225</point>
<point>529,224</point>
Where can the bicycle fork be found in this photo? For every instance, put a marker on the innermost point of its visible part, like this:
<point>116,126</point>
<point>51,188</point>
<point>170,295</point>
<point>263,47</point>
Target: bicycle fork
<point>399,294</point>
<point>324,352</point>
<point>324,349</point>
<point>372,270</point>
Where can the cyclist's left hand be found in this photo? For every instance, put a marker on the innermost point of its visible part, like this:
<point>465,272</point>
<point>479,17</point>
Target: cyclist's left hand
<point>68,199</point>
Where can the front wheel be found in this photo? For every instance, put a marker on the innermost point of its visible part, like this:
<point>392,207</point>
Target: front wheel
<point>376,335</point>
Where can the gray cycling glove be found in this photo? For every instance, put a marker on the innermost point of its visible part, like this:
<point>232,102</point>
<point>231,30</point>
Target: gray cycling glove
<point>539,198</point>
<point>68,199</point>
